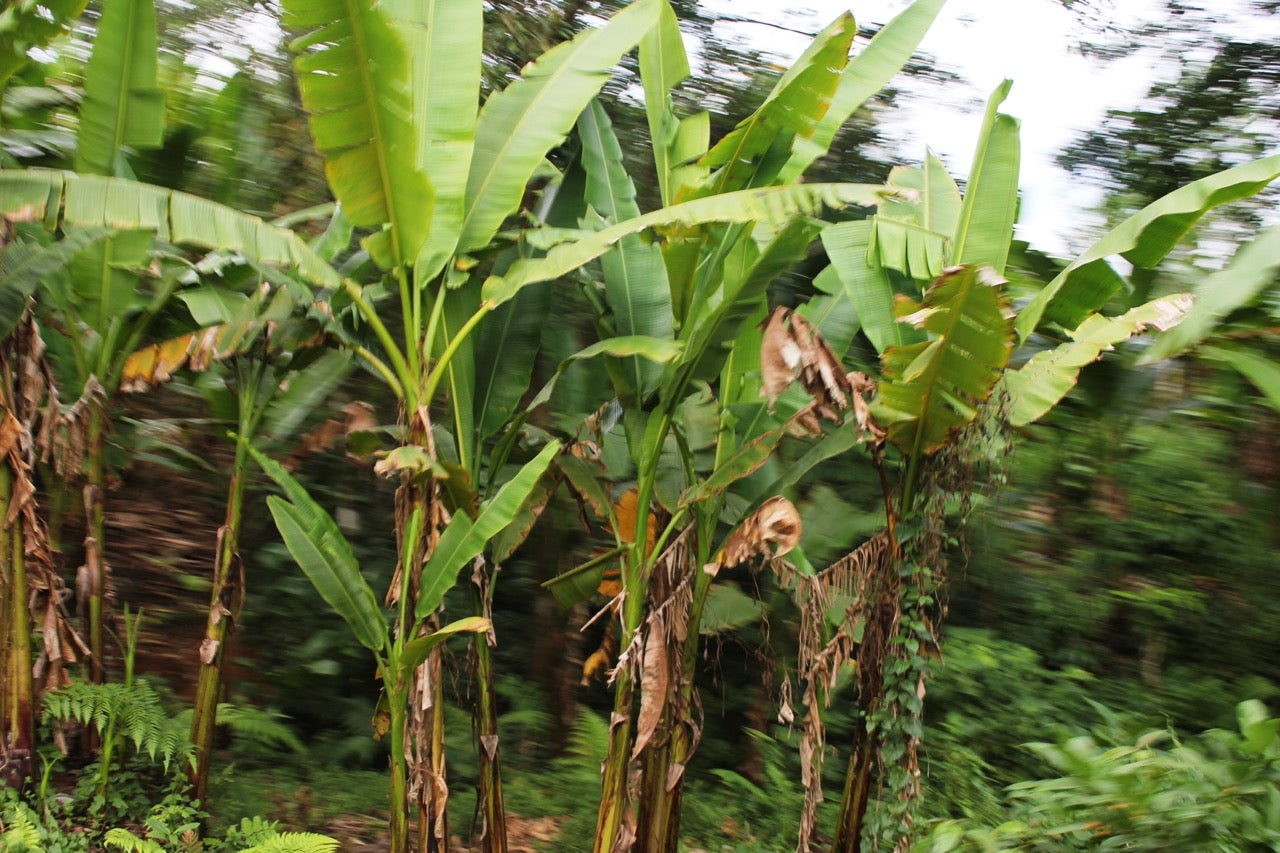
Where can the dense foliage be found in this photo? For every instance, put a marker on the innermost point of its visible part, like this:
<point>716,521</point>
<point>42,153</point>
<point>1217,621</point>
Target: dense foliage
<point>673,481</point>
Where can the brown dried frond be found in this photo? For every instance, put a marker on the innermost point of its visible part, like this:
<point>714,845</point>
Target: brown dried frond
<point>72,438</point>
<point>30,406</point>
<point>770,531</point>
<point>867,577</point>
<point>792,349</point>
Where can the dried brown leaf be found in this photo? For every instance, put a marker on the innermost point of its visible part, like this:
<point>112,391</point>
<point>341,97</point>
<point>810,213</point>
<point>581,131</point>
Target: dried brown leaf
<point>654,679</point>
<point>770,531</point>
<point>792,349</point>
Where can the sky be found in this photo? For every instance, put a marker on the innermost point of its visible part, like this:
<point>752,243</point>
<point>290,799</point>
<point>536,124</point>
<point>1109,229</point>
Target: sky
<point>1057,92</point>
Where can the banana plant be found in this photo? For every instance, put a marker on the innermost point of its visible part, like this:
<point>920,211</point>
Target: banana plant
<point>678,326</point>
<point>947,353</point>
<point>278,375</point>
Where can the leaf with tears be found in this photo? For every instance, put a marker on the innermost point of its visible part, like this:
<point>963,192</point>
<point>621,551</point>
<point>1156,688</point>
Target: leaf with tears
<point>770,531</point>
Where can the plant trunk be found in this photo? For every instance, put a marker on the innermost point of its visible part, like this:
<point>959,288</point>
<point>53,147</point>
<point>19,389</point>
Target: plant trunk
<point>857,790</point>
<point>662,784</point>
<point>398,827</point>
<point>428,762</point>
<point>493,837</point>
<point>224,606</point>
<point>614,802</point>
<point>93,583</point>
<point>18,730</point>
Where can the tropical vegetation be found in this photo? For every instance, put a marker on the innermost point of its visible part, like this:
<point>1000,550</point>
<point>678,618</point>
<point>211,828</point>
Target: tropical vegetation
<point>679,396</point>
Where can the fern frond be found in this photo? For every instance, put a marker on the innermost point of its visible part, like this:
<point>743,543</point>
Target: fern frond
<point>123,839</point>
<point>22,833</point>
<point>295,842</point>
<point>588,741</point>
<point>266,727</point>
<point>252,832</point>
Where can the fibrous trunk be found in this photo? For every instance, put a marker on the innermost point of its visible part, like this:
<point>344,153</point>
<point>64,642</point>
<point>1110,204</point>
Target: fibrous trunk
<point>224,605</point>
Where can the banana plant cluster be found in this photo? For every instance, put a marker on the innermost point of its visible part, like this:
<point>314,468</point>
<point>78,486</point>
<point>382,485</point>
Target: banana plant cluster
<point>445,297</point>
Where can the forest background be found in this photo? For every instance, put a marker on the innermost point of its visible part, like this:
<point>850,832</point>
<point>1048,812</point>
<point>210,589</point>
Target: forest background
<point>1109,650</point>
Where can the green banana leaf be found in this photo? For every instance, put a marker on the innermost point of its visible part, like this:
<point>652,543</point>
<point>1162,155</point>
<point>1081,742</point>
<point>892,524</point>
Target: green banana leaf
<point>863,76</point>
<point>1143,239</point>
<point>507,346</point>
<point>848,245</point>
<point>727,608</point>
<point>912,233</point>
<point>1253,269</point>
<point>657,350</point>
<point>464,539</point>
<point>1038,385</point>
<point>122,106</point>
<point>460,369</point>
<point>304,392</point>
<point>445,42</point>
<point>717,319</point>
<point>104,279</point>
<point>771,206</point>
<point>931,390</point>
<point>354,76</point>
<point>175,217</point>
<point>635,276</point>
<point>663,66</point>
<point>833,315</point>
<point>520,124</point>
<point>985,227</point>
<point>416,650</point>
<point>324,555</point>
<point>754,152</point>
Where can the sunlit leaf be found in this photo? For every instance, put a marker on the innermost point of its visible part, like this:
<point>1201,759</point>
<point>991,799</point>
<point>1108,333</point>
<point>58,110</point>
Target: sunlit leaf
<point>931,389</point>
<point>122,105</point>
<point>1038,385</point>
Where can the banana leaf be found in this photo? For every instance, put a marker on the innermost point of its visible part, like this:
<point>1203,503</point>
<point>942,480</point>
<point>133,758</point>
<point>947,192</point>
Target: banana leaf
<point>770,206</point>
<point>175,217</point>
<point>123,105</point>
<point>1038,385</point>
<point>931,390</point>
<point>863,76</point>
<point>635,276</point>
<point>353,72</point>
<point>464,539</point>
<point>520,124</point>
<point>324,555</point>
<point>1143,240</point>
<point>1253,269</point>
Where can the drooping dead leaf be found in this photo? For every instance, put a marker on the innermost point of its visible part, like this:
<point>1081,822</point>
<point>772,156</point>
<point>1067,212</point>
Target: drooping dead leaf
<point>10,429</point>
<point>653,686</point>
<point>792,349</point>
<point>770,531</point>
